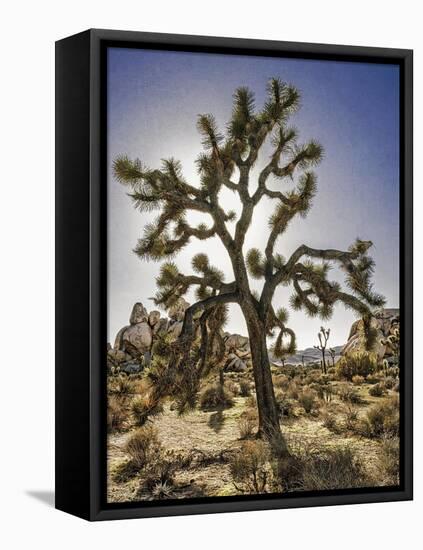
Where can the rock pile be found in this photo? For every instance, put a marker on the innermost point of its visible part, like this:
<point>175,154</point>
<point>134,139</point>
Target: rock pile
<point>386,324</point>
<point>132,349</point>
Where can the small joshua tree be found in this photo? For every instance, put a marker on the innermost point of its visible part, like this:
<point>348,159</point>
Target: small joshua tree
<point>227,162</point>
<point>323,336</point>
<point>332,354</point>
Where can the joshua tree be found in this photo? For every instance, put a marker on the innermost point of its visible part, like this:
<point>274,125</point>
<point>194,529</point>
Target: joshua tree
<point>227,162</point>
<point>332,353</point>
<point>323,336</point>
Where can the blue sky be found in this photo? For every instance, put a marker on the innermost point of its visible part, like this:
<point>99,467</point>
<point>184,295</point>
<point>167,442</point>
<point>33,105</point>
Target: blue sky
<point>352,109</point>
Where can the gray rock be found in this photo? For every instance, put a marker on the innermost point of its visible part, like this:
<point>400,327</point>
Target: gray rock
<point>119,338</point>
<point>131,368</point>
<point>175,329</point>
<point>140,336</point>
<point>153,318</point>
<point>139,314</point>
<point>161,327</point>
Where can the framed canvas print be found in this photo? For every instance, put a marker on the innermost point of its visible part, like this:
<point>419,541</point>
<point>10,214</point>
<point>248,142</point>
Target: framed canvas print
<point>234,275</point>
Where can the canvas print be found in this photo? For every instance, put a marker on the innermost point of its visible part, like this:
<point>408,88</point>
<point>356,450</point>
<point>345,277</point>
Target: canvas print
<point>253,275</point>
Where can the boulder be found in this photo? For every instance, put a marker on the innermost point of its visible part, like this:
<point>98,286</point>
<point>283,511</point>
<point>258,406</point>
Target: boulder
<point>235,364</point>
<point>131,368</point>
<point>236,341</point>
<point>139,314</point>
<point>153,318</point>
<point>140,336</point>
<point>119,338</point>
<point>117,356</point>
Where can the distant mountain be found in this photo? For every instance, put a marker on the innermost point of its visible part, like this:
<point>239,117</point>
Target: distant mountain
<point>310,355</point>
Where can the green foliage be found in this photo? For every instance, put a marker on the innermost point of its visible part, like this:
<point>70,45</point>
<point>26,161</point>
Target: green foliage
<point>360,363</point>
<point>255,263</point>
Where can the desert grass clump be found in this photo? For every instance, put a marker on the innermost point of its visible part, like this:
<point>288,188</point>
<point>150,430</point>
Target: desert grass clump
<point>357,380</point>
<point>216,396</point>
<point>378,390</point>
<point>116,413</point>
<point>285,405</point>
<point>244,388</point>
<point>293,390</point>
<point>121,386</point>
<point>348,394</point>
<point>336,468</point>
<point>382,420</point>
<point>389,382</point>
<point>250,468</point>
<point>307,400</point>
<point>389,461</point>
<point>143,446</point>
<point>362,363</point>
<point>144,407</point>
<point>329,421</point>
<point>350,417</point>
<point>247,427</point>
<point>281,381</point>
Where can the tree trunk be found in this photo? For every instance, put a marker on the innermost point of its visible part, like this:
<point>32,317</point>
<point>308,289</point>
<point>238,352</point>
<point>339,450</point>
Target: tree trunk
<point>269,427</point>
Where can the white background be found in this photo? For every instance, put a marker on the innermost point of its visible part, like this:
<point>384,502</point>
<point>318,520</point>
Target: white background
<point>28,32</point>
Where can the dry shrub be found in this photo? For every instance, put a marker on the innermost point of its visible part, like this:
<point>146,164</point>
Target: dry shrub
<point>281,381</point>
<point>144,407</point>
<point>244,388</point>
<point>233,388</point>
<point>251,402</point>
<point>116,413</point>
<point>307,399</point>
<point>250,468</point>
<point>357,380</point>
<point>389,461</point>
<point>362,363</point>
<point>378,390</point>
<point>216,397</point>
<point>382,420</point>
<point>390,382</point>
<point>336,468</point>
<point>329,421</point>
<point>284,405</point>
<point>121,386</point>
<point>350,417</point>
<point>143,446</point>
<point>247,428</point>
<point>348,394</point>
<point>293,390</point>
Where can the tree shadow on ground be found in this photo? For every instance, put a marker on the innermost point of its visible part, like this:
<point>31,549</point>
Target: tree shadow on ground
<point>216,420</point>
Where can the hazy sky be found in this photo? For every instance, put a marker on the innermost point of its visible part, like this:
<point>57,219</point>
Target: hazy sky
<point>350,108</point>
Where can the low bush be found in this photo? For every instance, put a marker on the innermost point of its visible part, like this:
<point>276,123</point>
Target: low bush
<point>350,417</point>
<point>348,394</point>
<point>244,388</point>
<point>357,380</point>
<point>336,468</point>
<point>144,407</point>
<point>216,397</point>
<point>389,382</point>
<point>281,381</point>
<point>285,406</point>
<point>293,390</point>
<point>143,446</point>
<point>329,421</point>
<point>382,420</point>
<point>247,428</point>
<point>250,468</point>
<point>307,400</point>
<point>116,413</point>
<point>360,363</point>
<point>378,390</point>
<point>389,461</point>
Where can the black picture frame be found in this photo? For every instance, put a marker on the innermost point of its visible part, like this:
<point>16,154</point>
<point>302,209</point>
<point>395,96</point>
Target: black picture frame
<point>81,255</point>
